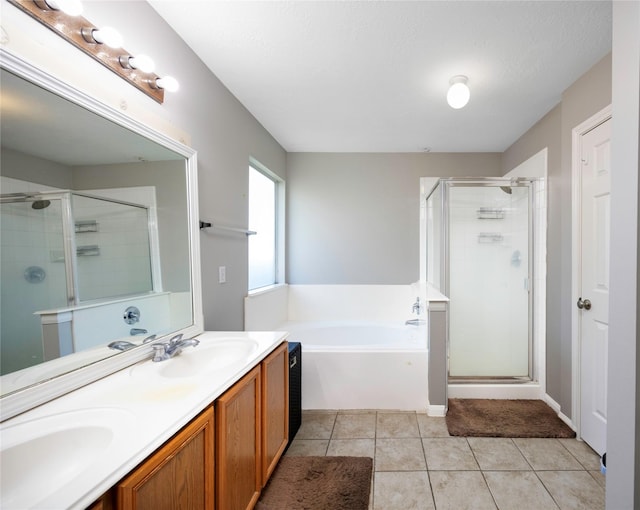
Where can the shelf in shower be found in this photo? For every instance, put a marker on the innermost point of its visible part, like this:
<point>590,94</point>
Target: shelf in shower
<point>490,237</point>
<point>490,213</point>
<point>86,226</point>
<point>91,250</point>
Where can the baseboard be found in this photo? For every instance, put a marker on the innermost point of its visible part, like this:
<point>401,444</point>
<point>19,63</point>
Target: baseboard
<point>436,411</point>
<point>556,407</point>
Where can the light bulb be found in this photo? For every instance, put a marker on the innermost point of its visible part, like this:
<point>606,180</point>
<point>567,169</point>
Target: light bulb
<point>70,7</point>
<point>142,62</point>
<point>458,94</point>
<point>107,35</point>
<point>168,83</point>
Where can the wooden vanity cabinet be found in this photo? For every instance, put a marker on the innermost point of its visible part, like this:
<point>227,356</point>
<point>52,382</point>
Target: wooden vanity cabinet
<point>275,408</point>
<point>252,431</point>
<point>180,475</point>
<point>249,426</point>
<point>238,444</point>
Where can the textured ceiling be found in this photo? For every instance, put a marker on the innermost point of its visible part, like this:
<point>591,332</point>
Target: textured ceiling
<point>351,76</point>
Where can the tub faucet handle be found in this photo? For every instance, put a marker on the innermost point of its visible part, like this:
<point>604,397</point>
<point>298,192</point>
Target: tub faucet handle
<point>417,306</point>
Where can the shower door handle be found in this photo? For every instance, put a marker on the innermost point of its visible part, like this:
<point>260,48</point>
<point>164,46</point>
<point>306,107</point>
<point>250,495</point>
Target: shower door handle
<point>586,304</point>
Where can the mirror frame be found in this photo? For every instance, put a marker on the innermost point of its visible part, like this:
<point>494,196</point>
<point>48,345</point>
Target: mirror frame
<point>36,394</point>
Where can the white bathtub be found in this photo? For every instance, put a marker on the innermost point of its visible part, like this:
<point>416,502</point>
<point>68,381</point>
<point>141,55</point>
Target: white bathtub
<point>362,365</point>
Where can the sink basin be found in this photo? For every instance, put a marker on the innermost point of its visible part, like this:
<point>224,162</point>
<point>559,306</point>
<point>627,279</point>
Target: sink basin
<point>41,456</point>
<point>207,357</point>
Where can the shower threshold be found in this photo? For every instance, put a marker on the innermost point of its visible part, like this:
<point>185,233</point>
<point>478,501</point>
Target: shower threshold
<point>471,379</point>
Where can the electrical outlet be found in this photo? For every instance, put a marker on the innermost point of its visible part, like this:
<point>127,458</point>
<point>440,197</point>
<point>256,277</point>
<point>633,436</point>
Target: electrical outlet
<point>222,274</point>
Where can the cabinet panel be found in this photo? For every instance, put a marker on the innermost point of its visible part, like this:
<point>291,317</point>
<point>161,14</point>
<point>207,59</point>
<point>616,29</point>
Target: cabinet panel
<point>238,455</point>
<point>179,475</point>
<point>105,502</point>
<point>275,408</point>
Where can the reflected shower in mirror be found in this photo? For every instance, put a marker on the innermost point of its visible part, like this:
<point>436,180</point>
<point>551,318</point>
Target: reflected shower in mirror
<point>94,221</point>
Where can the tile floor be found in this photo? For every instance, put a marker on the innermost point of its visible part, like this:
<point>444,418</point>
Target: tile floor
<point>417,465</point>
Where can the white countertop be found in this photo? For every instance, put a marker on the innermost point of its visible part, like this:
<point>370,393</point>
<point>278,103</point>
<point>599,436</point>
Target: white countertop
<point>142,407</point>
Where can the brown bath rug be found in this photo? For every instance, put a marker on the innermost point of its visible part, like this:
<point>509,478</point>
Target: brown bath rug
<point>504,418</point>
<point>318,483</point>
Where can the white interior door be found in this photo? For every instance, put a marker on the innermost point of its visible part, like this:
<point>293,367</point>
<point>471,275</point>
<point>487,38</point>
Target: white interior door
<point>593,303</point>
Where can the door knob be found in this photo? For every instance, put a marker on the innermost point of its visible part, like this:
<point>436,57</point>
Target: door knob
<point>586,304</point>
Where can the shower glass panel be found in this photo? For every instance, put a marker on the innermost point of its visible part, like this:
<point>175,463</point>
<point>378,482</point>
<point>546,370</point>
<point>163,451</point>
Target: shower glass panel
<point>434,238</point>
<point>33,272</point>
<point>112,248</point>
<point>480,251</point>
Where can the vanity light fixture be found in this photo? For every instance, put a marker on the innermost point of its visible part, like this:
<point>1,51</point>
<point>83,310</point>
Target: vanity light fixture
<point>458,94</point>
<point>70,7</point>
<point>106,35</point>
<point>63,18</point>
<point>168,83</point>
<point>142,62</point>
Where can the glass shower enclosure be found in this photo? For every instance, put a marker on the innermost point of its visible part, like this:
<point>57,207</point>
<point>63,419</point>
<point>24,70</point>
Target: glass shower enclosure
<point>61,250</point>
<point>479,254</point>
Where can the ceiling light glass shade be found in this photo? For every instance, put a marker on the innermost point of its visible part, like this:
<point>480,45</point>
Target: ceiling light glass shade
<point>70,7</point>
<point>458,94</point>
<point>168,83</point>
<point>109,36</point>
<point>142,62</point>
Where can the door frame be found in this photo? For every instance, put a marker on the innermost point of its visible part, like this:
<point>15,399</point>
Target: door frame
<point>576,260</point>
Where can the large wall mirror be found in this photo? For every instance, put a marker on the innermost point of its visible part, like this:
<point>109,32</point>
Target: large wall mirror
<point>98,238</point>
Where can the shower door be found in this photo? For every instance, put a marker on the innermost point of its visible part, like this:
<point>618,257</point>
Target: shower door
<point>488,279</point>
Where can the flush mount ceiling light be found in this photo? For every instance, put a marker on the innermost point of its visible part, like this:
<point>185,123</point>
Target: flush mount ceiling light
<point>458,94</point>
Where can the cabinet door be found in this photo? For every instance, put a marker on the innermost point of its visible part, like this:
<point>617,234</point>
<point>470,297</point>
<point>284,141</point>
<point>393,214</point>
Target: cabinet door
<point>179,475</point>
<point>105,502</point>
<point>238,474</point>
<point>275,408</point>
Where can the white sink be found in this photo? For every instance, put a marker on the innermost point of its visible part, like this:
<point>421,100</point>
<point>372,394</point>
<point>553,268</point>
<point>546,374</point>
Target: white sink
<point>207,357</point>
<point>42,456</point>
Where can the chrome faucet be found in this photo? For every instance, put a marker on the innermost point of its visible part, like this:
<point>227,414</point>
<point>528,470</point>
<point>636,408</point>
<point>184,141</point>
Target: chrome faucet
<point>417,308</point>
<point>164,350</point>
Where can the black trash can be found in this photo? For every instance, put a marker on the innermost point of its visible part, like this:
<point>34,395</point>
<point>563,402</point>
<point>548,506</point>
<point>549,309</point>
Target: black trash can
<point>295,388</point>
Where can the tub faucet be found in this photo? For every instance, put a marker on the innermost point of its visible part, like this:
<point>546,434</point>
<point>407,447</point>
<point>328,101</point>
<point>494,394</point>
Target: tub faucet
<point>164,350</point>
<point>417,307</point>
<point>121,345</point>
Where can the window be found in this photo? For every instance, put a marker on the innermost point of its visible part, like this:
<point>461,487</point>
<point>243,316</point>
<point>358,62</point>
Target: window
<point>265,214</point>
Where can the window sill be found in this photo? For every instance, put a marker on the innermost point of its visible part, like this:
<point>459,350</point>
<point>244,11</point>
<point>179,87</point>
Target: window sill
<point>266,290</point>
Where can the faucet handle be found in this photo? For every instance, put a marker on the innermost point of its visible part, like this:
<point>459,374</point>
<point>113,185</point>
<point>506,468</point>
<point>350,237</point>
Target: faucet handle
<point>159,351</point>
<point>175,339</point>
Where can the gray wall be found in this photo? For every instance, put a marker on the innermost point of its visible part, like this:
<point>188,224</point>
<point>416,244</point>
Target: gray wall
<point>585,97</point>
<point>225,135</point>
<point>353,218</point>
<point>168,178</point>
<point>24,167</point>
